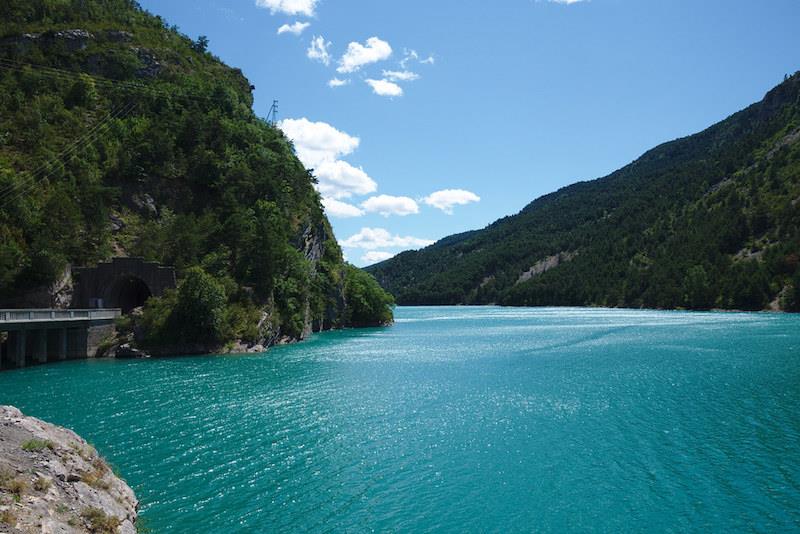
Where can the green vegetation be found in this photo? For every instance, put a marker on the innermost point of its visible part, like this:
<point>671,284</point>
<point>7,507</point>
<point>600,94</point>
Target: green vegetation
<point>100,522</point>
<point>368,304</point>
<point>121,136</point>
<point>96,478</point>
<point>142,526</point>
<point>708,221</point>
<point>36,445</point>
<point>7,517</point>
<point>14,485</point>
<point>42,484</point>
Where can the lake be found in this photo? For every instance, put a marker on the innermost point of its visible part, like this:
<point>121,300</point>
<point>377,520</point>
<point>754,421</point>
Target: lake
<point>456,419</point>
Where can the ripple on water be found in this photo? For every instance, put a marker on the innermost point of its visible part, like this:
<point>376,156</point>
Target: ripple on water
<point>480,419</point>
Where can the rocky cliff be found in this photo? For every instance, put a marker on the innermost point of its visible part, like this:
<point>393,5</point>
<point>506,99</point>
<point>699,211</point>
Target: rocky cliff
<point>51,480</point>
<point>122,137</point>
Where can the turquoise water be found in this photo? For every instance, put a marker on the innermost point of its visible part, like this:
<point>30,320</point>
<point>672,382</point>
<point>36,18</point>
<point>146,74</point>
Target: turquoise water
<point>457,419</point>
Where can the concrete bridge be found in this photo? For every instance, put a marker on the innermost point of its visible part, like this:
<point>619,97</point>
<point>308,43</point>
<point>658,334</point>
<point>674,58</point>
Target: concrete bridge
<point>40,336</point>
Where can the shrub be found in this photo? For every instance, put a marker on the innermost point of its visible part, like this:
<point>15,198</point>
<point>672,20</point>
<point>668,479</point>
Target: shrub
<point>7,517</point>
<point>17,486</point>
<point>95,479</point>
<point>37,445</point>
<point>42,484</point>
<point>195,313</point>
<point>99,521</point>
<point>367,303</point>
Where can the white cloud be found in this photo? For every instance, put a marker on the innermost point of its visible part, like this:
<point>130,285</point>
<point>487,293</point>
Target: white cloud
<point>318,50</point>
<point>447,198</point>
<point>412,55</point>
<point>319,146</point>
<point>336,82</point>
<point>289,7</point>
<point>358,55</point>
<point>339,179</point>
<point>400,75</point>
<point>375,238</point>
<point>296,28</point>
<point>375,256</point>
<point>342,210</point>
<point>316,142</point>
<point>408,55</point>
<point>566,1</point>
<point>385,87</point>
<point>388,205</point>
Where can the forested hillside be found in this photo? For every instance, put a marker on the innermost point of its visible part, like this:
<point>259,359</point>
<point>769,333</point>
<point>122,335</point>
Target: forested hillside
<point>708,221</point>
<point>119,136</point>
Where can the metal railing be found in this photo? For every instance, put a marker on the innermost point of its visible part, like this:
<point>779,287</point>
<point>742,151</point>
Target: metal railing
<point>27,315</point>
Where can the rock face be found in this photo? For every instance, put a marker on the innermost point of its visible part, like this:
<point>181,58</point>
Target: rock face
<point>53,481</point>
<point>56,295</point>
<point>542,266</point>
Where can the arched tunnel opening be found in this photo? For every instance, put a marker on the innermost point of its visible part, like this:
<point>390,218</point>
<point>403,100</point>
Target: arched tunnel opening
<point>127,293</point>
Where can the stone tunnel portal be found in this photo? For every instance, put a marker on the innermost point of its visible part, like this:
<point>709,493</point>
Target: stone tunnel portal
<point>127,292</point>
<point>124,283</point>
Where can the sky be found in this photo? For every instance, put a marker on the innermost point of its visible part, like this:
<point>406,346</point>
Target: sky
<point>425,118</point>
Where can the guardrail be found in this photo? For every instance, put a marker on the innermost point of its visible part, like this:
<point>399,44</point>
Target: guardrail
<point>18,316</point>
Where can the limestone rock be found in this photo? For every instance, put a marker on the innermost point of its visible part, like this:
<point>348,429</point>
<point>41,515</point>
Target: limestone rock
<point>51,480</point>
<point>119,36</point>
<point>146,203</point>
<point>152,67</point>
<point>544,265</point>
<point>74,39</point>
<point>125,351</point>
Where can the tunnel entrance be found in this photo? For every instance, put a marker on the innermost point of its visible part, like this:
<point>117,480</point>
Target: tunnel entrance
<point>127,293</point>
<point>121,283</point>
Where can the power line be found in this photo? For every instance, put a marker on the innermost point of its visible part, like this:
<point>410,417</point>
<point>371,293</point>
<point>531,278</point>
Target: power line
<point>75,144</point>
<point>29,184</point>
<point>26,185</point>
<point>91,135</point>
<point>69,148</point>
<point>69,75</point>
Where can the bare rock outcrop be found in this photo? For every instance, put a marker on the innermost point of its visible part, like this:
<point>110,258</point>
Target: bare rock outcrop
<point>544,265</point>
<point>53,481</point>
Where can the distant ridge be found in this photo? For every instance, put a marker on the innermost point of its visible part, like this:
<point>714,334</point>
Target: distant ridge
<point>707,221</point>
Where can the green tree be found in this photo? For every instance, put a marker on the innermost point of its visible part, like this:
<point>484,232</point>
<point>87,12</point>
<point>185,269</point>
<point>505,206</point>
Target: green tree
<point>698,293</point>
<point>792,298</point>
<point>367,304</point>
<point>83,93</point>
<point>194,314</point>
<point>199,311</point>
<point>201,44</point>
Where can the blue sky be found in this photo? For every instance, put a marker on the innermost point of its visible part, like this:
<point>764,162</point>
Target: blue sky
<point>455,113</point>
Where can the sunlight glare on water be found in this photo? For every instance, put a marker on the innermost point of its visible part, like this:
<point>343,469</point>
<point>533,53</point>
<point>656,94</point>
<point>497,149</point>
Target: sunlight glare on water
<point>456,419</point>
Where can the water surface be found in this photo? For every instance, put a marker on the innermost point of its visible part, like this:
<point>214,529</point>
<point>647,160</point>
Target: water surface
<point>457,419</point>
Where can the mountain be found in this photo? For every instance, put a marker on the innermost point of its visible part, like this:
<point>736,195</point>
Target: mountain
<point>707,221</point>
<point>119,136</point>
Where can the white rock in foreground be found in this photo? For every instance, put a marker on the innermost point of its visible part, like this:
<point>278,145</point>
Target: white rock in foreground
<point>52,481</point>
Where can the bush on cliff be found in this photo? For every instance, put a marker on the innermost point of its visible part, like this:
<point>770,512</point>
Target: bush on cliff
<point>367,303</point>
<point>193,315</point>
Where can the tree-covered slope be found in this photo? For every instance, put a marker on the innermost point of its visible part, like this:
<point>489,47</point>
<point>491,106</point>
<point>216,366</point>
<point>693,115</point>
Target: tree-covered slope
<point>710,220</point>
<point>121,137</point>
